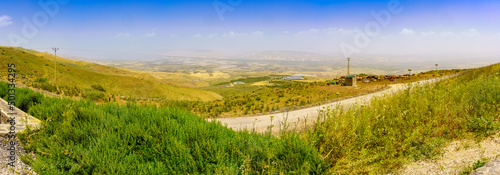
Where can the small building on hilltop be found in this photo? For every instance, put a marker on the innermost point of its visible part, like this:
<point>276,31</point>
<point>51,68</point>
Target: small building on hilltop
<point>293,78</point>
<point>350,80</point>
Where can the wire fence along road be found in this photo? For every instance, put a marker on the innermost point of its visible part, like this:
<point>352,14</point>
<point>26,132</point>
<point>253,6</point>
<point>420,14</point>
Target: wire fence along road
<point>262,122</point>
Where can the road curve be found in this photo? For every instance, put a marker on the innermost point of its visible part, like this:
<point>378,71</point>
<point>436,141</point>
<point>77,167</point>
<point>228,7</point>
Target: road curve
<point>262,122</point>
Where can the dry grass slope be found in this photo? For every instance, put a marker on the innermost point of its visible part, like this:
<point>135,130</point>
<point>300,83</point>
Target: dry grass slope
<point>32,65</point>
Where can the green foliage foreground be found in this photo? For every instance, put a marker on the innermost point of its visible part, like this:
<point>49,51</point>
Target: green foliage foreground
<point>411,124</point>
<point>81,137</point>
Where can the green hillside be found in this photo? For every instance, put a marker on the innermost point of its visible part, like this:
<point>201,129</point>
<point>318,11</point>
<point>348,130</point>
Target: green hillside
<point>37,69</point>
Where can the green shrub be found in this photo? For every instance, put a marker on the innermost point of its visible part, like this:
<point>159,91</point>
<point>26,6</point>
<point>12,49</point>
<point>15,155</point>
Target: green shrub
<point>41,80</point>
<point>98,87</point>
<point>94,95</point>
<point>45,86</point>
<point>482,126</point>
<point>25,98</point>
<point>475,165</point>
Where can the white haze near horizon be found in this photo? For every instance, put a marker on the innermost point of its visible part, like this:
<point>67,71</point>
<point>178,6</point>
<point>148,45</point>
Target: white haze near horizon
<point>406,44</point>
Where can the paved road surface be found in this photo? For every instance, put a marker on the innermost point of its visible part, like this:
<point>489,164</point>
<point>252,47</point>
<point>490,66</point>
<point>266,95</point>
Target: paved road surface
<point>262,122</point>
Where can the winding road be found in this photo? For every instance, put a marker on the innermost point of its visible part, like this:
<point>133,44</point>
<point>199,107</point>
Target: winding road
<point>262,122</point>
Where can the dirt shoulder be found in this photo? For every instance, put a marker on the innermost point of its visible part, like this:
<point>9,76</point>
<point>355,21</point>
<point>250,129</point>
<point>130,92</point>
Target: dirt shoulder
<point>457,156</point>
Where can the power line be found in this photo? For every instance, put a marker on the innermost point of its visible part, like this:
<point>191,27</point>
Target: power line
<point>134,53</point>
<point>55,66</point>
<point>115,52</point>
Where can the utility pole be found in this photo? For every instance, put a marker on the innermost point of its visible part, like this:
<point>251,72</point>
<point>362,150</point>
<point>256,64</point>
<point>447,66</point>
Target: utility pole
<point>55,65</point>
<point>348,60</point>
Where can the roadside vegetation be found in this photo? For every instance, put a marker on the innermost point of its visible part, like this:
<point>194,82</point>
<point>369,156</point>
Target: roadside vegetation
<point>413,124</point>
<point>81,137</point>
<point>281,95</point>
<point>473,167</point>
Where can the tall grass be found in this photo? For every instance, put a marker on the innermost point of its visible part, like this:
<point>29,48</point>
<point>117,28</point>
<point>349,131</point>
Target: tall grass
<point>410,125</point>
<point>80,137</point>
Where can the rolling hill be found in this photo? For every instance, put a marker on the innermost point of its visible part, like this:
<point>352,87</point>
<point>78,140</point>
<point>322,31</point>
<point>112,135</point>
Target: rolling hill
<point>35,66</point>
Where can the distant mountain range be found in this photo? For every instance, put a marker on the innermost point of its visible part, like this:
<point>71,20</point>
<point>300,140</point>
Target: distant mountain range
<point>391,63</point>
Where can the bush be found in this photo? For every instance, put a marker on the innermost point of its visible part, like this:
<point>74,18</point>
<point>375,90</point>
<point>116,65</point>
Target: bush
<point>24,102</point>
<point>45,86</point>
<point>25,98</point>
<point>94,95</point>
<point>98,87</point>
<point>482,126</point>
<point>41,80</point>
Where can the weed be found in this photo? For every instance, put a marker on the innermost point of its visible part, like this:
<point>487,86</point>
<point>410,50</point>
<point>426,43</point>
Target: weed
<point>475,165</point>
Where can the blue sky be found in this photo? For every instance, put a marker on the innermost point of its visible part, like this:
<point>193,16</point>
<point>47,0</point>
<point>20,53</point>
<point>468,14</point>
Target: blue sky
<point>83,27</point>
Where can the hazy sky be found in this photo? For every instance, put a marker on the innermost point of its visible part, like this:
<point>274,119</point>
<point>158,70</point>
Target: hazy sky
<point>346,28</point>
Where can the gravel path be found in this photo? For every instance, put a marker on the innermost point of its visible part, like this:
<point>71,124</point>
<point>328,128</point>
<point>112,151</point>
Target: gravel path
<point>459,155</point>
<point>19,166</point>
